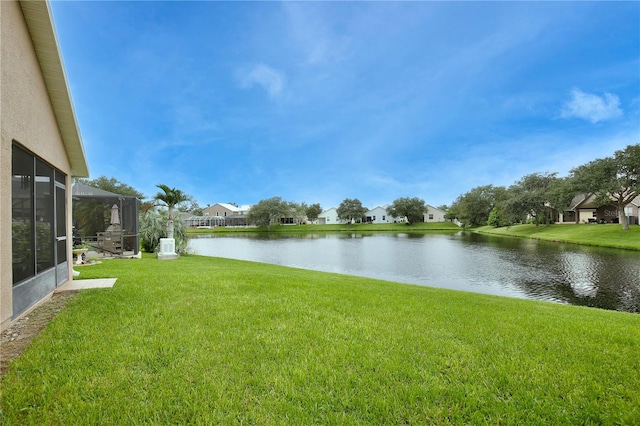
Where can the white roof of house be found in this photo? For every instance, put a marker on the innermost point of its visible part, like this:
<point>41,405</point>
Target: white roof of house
<point>37,15</point>
<point>384,208</point>
<point>228,206</point>
<point>327,211</point>
<point>430,207</point>
<point>231,207</point>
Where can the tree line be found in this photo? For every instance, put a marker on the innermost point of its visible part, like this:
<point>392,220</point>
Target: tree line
<point>275,211</point>
<point>613,180</point>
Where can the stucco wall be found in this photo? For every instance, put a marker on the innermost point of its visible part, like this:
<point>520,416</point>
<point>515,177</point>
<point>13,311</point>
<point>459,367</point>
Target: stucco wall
<point>218,210</point>
<point>329,217</point>
<point>585,215</point>
<point>438,215</point>
<point>26,116</point>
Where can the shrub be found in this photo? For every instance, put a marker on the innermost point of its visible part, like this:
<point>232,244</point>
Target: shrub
<point>153,226</point>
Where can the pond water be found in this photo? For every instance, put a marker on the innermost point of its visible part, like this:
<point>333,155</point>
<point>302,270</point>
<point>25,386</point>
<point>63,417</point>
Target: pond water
<point>524,268</point>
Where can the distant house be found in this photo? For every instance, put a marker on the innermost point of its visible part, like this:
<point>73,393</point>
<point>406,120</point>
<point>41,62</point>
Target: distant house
<point>632,211</point>
<point>192,221</point>
<point>232,214</point>
<point>221,209</point>
<point>434,214</point>
<point>569,215</point>
<point>583,209</point>
<point>41,151</point>
<point>329,217</point>
<point>379,215</point>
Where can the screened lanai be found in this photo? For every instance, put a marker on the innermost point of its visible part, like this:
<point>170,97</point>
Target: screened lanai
<point>105,221</point>
<point>204,221</point>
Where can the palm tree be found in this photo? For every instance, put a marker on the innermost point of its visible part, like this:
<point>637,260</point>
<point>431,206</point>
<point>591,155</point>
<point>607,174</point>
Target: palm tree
<point>170,197</point>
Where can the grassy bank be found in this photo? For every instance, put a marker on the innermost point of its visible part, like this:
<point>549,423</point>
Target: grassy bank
<point>358,227</point>
<point>215,341</point>
<point>610,235</point>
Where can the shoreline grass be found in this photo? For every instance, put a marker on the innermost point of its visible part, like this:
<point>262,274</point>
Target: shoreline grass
<point>610,235</point>
<point>310,229</point>
<point>217,341</point>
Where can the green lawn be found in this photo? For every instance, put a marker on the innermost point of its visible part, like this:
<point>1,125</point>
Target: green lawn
<point>610,235</point>
<point>214,341</point>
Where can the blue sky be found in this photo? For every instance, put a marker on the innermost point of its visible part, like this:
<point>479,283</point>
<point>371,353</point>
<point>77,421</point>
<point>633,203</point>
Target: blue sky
<point>320,101</point>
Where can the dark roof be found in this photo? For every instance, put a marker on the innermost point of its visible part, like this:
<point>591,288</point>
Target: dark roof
<point>577,200</point>
<point>82,190</point>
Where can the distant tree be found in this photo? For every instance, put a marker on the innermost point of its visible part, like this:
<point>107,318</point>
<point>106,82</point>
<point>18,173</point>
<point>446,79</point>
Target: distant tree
<point>190,206</point>
<point>269,212</point>
<point>452,212</point>
<point>170,197</point>
<point>474,207</point>
<point>411,208</point>
<point>494,218</point>
<point>561,192</point>
<point>146,206</point>
<point>112,185</point>
<point>443,207</point>
<point>298,212</point>
<point>313,211</point>
<point>530,197</point>
<point>351,210</point>
<point>613,179</point>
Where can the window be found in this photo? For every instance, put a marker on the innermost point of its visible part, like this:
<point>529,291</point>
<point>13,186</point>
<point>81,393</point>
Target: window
<point>38,215</point>
<point>22,234</point>
<point>430,216</point>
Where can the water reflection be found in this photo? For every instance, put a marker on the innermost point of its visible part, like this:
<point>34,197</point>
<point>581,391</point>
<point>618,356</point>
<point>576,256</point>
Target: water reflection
<point>525,268</point>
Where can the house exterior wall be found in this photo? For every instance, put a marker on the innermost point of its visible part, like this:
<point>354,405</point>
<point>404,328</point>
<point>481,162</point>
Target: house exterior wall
<point>434,215</point>
<point>27,118</point>
<point>568,216</point>
<point>585,210</point>
<point>378,215</point>
<point>329,217</point>
<point>586,215</point>
<point>604,214</point>
<point>632,211</point>
<point>219,210</point>
<point>589,212</point>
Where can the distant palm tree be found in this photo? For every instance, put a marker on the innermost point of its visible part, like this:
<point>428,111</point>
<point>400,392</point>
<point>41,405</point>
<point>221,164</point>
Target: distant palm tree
<point>170,197</point>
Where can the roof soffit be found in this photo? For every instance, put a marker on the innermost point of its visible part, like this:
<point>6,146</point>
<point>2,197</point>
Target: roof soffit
<point>37,15</point>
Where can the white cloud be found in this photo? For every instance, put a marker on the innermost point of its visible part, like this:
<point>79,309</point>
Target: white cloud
<point>315,35</point>
<point>270,79</point>
<point>591,107</point>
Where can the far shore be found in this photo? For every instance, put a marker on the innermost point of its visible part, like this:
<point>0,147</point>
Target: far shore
<point>312,228</point>
<point>610,235</point>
